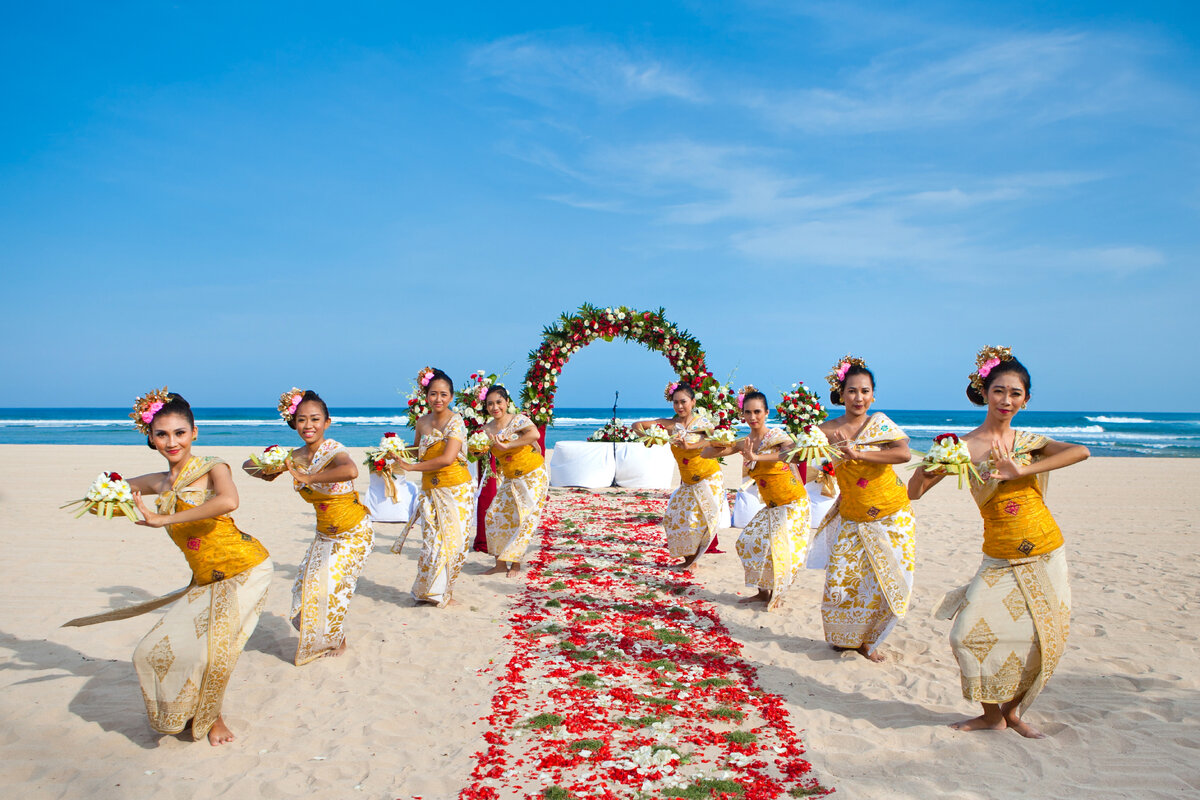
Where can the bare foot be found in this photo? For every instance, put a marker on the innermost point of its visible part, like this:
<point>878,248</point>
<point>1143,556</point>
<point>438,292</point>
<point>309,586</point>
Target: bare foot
<point>447,600</point>
<point>761,597</point>
<point>1024,728</point>
<point>775,603</point>
<point>514,569</point>
<point>496,570</point>
<point>337,651</point>
<point>219,733</point>
<point>984,722</point>
<point>870,655</point>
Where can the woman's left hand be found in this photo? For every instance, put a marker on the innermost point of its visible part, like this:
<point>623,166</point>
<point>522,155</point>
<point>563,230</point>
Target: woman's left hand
<point>149,518</point>
<point>406,466</point>
<point>297,475</point>
<point>1003,466</point>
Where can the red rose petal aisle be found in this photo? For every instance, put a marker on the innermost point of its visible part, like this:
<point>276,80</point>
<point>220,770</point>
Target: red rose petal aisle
<point>622,683</point>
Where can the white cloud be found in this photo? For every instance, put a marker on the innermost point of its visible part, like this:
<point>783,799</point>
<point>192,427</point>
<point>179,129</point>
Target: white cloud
<point>529,67</point>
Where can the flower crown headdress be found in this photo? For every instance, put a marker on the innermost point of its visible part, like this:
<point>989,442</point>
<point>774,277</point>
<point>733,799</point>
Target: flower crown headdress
<point>838,374</point>
<point>672,388</point>
<point>745,390</point>
<point>146,406</point>
<point>289,401</point>
<point>987,360</point>
<point>424,377</point>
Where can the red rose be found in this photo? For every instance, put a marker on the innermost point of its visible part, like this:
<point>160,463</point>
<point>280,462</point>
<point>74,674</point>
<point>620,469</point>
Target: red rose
<point>828,468</point>
<point>115,476</point>
<point>389,435</point>
<point>380,464</point>
<point>943,437</point>
<point>270,448</point>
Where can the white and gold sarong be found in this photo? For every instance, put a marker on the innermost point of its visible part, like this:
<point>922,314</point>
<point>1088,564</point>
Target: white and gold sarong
<point>693,513</point>
<point>773,544</point>
<point>446,507</point>
<point>521,492</point>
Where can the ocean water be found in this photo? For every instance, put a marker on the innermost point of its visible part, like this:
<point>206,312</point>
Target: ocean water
<point>1107,433</point>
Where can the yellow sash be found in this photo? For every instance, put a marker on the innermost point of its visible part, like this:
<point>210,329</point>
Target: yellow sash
<point>693,468</point>
<point>453,474</point>
<point>214,548</point>
<point>777,486</point>
<point>515,463</point>
<point>336,513</point>
<point>1016,522</point>
<point>869,491</point>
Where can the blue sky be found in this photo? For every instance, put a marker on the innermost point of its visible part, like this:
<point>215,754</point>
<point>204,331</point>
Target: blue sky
<point>233,200</point>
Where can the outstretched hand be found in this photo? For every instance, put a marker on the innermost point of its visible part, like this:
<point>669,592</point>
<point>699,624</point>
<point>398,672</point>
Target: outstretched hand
<point>1003,466</point>
<point>149,518</point>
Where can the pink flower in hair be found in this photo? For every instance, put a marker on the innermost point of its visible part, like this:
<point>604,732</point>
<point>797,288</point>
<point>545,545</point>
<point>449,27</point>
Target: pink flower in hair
<point>295,403</point>
<point>986,368</point>
<point>842,369</point>
<point>148,414</point>
<point>741,397</point>
<point>483,389</point>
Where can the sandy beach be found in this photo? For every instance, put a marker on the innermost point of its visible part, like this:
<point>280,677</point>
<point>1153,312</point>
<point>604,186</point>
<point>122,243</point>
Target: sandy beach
<point>396,716</point>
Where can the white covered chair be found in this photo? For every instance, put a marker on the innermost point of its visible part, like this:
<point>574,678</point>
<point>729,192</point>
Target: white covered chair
<point>641,467</point>
<point>382,509</point>
<point>746,504</point>
<point>590,465</point>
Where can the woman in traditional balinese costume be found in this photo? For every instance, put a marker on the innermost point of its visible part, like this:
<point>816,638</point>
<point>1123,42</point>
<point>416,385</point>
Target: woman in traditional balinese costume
<point>773,544</point>
<point>446,505</point>
<point>867,541</point>
<point>184,663</point>
<point>1011,621</point>
<point>693,513</point>
<point>513,515</point>
<point>323,473</point>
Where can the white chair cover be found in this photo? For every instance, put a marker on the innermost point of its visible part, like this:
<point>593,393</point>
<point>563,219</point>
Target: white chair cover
<point>641,467</point>
<point>746,504</point>
<point>381,509</point>
<point>822,546</point>
<point>590,465</point>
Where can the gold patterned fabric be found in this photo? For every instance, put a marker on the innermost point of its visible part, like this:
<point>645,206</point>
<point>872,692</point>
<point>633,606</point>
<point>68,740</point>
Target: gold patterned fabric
<point>328,573</point>
<point>184,663</point>
<point>446,515</point>
<point>1010,627</point>
<point>772,545</point>
<point>521,492</point>
<point>1011,621</point>
<point>867,545</point>
<point>433,445</point>
<point>214,548</point>
<point>692,515</point>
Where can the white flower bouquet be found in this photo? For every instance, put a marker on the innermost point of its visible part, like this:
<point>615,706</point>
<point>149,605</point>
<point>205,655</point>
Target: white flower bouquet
<point>723,437</point>
<point>108,497</point>
<point>950,456</point>
<point>811,443</point>
<point>272,460</point>
<point>655,434</point>
<point>478,444</point>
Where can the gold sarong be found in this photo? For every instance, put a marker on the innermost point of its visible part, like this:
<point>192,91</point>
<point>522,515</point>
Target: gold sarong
<point>869,536</point>
<point>447,516</point>
<point>328,573</point>
<point>693,513</point>
<point>521,492</point>
<point>773,544</point>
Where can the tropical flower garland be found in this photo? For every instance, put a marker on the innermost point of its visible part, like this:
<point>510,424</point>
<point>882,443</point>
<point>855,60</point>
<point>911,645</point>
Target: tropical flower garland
<point>570,334</point>
<point>469,401</point>
<point>623,683</point>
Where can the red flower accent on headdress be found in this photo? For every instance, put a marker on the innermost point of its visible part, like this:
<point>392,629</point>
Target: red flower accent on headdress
<point>114,476</point>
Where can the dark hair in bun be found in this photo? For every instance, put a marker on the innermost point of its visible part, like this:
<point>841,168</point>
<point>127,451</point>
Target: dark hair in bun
<point>835,394</point>
<point>309,397</point>
<point>175,405</point>
<point>438,375</point>
<point>683,387</point>
<point>755,395</point>
<point>979,397</point>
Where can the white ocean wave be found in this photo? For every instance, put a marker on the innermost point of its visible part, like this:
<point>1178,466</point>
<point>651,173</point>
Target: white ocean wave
<point>1067,429</point>
<point>1124,420</point>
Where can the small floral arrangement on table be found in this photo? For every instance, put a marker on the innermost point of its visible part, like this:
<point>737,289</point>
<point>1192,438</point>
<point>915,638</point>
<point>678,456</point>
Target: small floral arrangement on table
<point>800,409</point>
<point>469,401</point>
<point>478,445</point>
<point>614,431</point>
<point>811,444</point>
<point>655,434</point>
<point>109,496</point>
<point>271,460</point>
<point>826,477</point>
<point>949,455</point>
